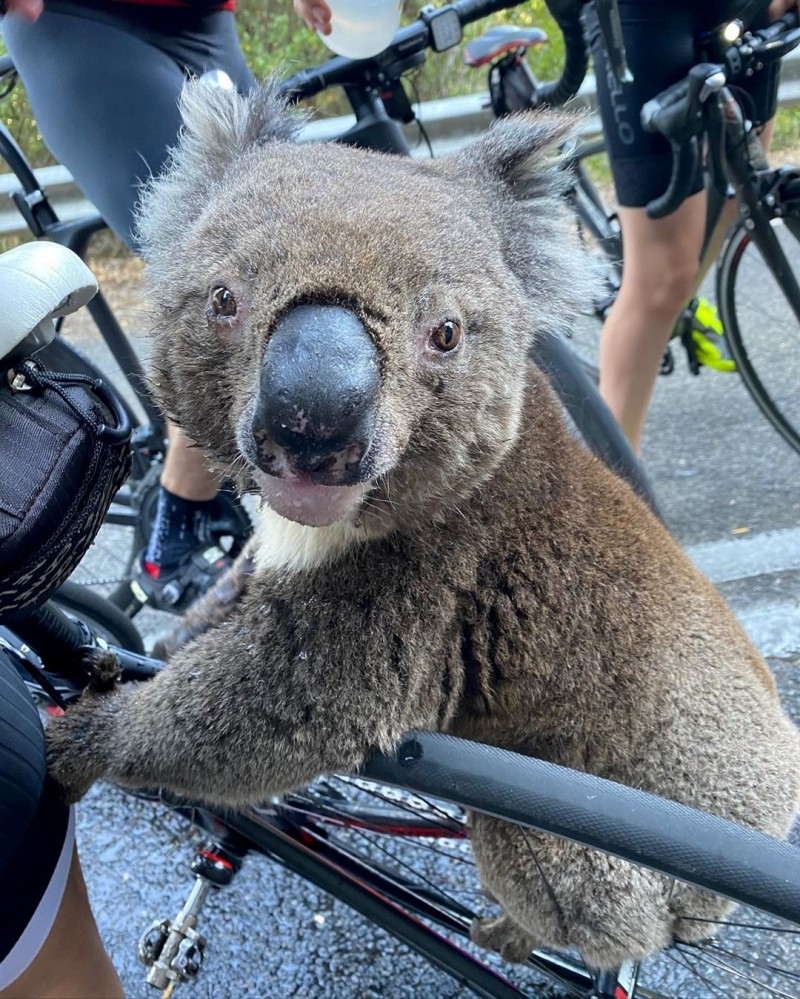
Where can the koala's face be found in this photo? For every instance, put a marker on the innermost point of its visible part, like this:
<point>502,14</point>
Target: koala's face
<point>349,331</point>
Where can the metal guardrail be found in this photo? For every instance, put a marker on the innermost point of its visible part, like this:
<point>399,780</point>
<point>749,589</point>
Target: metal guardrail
<point>448,123</point>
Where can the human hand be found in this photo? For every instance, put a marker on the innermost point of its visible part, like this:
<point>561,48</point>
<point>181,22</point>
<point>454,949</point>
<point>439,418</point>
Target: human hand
<point>29,10</point>
<point>316,14</point>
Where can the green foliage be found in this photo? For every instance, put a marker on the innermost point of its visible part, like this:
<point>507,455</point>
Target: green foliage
<point>787,129</point>
<point>18,118</point>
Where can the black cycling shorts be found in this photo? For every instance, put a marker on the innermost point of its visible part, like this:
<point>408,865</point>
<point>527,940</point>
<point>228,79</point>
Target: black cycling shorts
<point>662,42</point>
<point>36,831</point>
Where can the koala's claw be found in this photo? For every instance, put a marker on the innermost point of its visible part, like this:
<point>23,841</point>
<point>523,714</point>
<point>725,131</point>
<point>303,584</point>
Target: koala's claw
<point>502,935</point>
<point>103,668</point>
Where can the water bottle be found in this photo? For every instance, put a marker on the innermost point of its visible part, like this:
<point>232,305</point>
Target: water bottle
<point>362,28</point>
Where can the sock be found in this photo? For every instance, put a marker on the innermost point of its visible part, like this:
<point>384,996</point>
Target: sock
<point>180,526</point>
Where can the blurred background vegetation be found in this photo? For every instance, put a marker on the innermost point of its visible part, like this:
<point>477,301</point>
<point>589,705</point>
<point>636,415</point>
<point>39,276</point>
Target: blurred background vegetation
<point>275,39</point>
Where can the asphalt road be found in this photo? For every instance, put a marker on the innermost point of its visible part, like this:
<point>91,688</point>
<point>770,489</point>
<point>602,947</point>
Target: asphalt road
<point>727,485</point>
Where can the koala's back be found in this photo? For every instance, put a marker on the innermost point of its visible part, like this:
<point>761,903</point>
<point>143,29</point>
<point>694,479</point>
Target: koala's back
<point>595,642</point>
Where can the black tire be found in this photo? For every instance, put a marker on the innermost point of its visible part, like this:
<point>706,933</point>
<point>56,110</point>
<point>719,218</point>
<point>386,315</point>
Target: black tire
<point>568,374</point>
<point>101,616</point>
<point>763,330</point>
<point>599,233</point>
<point>399,854</point>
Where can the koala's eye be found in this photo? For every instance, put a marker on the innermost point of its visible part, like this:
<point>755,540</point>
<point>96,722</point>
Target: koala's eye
<point>446,336</point>
<point>222,304</point>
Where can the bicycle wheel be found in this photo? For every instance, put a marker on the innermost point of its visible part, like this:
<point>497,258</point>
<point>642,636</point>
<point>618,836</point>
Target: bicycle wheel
<point>101,616</point>
<point>599,233</point>
<point>402,857</point>
<point>762,327</point>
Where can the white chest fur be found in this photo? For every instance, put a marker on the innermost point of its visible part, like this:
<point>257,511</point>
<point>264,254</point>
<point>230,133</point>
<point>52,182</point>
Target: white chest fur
<point>283,544</point>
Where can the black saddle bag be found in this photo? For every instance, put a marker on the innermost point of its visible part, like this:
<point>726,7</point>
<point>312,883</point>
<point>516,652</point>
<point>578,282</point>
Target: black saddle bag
<point>64,452</point>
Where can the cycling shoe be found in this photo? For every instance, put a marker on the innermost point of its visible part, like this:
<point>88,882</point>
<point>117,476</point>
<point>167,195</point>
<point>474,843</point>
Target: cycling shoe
<point>708,343</point>
<point>176,589</point>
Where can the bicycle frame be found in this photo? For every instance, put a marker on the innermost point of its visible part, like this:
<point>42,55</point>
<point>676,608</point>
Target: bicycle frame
<point>736,156</point>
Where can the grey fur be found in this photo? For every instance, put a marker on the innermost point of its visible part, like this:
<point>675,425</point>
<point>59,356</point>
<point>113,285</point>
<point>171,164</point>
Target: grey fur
<point>493,580</point>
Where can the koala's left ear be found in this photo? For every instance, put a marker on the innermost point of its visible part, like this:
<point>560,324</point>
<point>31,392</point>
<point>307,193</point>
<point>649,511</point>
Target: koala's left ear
<point>519,153</point>
<point>516,166</point>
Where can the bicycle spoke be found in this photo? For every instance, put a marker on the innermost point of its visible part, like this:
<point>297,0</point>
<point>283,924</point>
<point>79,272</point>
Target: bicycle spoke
<point>730,969</point>
<point>733,956</point>
<point>683,960</point>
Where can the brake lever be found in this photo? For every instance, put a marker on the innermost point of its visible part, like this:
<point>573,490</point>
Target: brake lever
<point>677,113</point>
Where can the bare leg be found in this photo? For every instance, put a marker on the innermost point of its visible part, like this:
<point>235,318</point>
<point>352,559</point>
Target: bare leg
<point>660,275</point>
<point>659,272</point>
<point>185,471</point>
<point>72,964</point>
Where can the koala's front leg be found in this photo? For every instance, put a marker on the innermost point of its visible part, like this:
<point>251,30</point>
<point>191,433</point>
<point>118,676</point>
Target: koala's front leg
<point>231,721</point>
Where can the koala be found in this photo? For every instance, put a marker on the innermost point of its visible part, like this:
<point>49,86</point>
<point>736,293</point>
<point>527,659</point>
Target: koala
<point>347,334</point>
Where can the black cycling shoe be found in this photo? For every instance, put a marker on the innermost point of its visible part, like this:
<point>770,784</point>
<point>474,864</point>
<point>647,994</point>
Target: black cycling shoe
<point>176,589</point>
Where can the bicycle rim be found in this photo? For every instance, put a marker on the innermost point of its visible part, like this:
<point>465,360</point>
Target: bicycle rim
<point>599,234</point>
<point>413,851</point>
<point>762,328</point>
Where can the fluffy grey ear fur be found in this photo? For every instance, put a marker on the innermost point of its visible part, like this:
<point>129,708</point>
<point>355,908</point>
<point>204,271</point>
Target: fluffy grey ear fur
<point>517,163</point>
<point>220,126</point>
<point>519,154</point>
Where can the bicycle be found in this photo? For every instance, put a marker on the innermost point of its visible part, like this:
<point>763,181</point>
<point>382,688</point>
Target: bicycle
<point>325,835</point>
<point>132,514</point>
<point>759,251</point>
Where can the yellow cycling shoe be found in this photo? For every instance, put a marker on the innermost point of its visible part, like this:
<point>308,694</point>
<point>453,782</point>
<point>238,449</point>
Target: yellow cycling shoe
<point>708,337</point>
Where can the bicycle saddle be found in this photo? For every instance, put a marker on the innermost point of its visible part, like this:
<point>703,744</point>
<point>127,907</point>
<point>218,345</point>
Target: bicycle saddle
<point>500,39</point>
<point>39,281</point>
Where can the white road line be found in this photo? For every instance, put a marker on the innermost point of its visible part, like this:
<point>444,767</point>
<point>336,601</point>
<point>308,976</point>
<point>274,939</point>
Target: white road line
<point>753,555</point>
<point>773,627</point>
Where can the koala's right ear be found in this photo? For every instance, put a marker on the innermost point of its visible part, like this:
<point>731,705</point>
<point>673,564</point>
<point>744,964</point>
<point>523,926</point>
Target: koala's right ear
<point>220,127</point>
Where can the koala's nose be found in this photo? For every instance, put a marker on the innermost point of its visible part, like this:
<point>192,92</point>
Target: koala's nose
<point>319,389</point>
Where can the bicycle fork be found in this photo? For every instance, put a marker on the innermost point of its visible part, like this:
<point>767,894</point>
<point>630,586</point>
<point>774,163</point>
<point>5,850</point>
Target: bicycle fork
<point>172,949</point>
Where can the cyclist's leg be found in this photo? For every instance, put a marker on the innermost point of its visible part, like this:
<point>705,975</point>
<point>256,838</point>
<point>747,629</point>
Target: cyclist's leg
<point>104,87</point>
<point>660,257</point>
<point>49,944</point>
<point>660,269</point>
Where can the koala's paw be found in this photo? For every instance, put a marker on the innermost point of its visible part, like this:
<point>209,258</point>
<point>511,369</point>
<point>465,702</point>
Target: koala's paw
<point>501,934</point>
<point>75,753</point>
<point>103,668</point>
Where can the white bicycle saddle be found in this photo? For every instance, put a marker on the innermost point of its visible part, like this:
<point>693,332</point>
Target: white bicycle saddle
<point>39,282</point>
